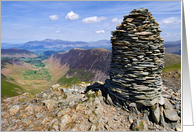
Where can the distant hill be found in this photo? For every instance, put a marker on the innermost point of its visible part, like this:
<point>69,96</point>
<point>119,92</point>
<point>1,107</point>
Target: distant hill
<point>9,45</point>
<point>15,52</point>
<point>53,44</point>
<point>171,59</point>
<point>12,62</point>
<point>87,65</point>
<point>56,44</point>
<point>173,47</point>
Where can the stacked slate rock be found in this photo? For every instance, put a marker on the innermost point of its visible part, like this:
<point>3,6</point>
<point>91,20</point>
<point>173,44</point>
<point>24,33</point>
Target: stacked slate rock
<point>137,59</point>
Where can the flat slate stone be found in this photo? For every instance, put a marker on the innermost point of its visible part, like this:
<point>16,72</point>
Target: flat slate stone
<point>143,33</point>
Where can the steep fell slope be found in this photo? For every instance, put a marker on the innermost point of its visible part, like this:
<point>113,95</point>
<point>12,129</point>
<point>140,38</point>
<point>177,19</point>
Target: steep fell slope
<point>29,77</point>
<point>90,65</point>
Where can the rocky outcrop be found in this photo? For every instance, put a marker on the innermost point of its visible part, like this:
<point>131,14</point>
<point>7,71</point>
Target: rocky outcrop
<point>81,107</point>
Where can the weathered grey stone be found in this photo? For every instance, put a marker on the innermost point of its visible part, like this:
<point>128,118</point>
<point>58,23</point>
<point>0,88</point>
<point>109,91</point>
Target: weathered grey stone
<point>38,115</point>
<point>156,114</point>
<point>143,33</point>
<point>99,110</point>
<point>169,112</point>
<point>55,86</point>
<point>44,95</point>
<point>93,127</point>
<point>14,109</point>
<point>162,121</point>
<point>162,101</point>
<point>50,104</point>
<point>93,119</point>
<point>64,120</point>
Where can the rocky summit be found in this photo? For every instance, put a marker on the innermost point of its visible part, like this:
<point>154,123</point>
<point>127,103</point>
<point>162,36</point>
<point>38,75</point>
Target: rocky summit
<point>84,107</point>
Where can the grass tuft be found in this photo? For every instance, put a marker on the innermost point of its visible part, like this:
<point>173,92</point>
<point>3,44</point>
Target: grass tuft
<point>173,67</point>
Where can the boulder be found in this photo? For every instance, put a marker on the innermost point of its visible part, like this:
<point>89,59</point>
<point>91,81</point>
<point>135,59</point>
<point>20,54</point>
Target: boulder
<point>64,120</point>
<point>156,114</point>
<point>50,104</point>
<point>169,111</point>
<point>55,86</point>
<point>14,109</point>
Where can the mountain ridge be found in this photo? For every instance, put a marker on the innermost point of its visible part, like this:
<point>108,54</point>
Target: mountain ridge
<point>58,44</point>
<point>16,52</point>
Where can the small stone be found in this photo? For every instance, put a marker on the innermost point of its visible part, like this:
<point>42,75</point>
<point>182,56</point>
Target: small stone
<point>64,120</point>
<point>178,129</point>
<point>107,127</point>
<point>45,120</point>
<point>96,101</point>
<point>79,107</point>
<point>172,102</point>
<point>162,121</point>
<point>99,93</point>
<point>50,104</point>
<point>143,33</point>
<point>14,109</point>
<point>84,99</point>
<point>82,92</point>
<point>55,86</point>
<point>27,121</point>
<point>93,127</point>
<point>169,112</point>
<point>156,114</point>
<point>116,119</point>
<point>131,120</point>
<point>99,110</point>
<point>44,95</point>
<point>162,100</point>
<point>38,115</point>
<point>63,112</point>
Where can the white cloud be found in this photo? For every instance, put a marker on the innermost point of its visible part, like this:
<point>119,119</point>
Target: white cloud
<point>171,36</point>
<point>72,16</point>
<point>53,17</point>
<point>101,31</point>
<point>57,31</point>
<point>108,28</point>
<point>116,20</point>
<point>171,21</point>
<point>93,19</point>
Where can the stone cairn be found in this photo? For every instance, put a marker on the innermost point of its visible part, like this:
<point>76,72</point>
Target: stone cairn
<point>135,69</point>
<point>137,59</point>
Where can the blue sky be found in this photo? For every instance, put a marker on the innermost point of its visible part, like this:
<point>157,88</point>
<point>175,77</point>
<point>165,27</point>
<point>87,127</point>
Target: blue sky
<point>23,21</point>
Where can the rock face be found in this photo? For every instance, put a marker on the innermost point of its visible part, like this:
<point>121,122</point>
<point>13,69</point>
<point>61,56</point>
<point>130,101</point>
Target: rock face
<point>137,59</point>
